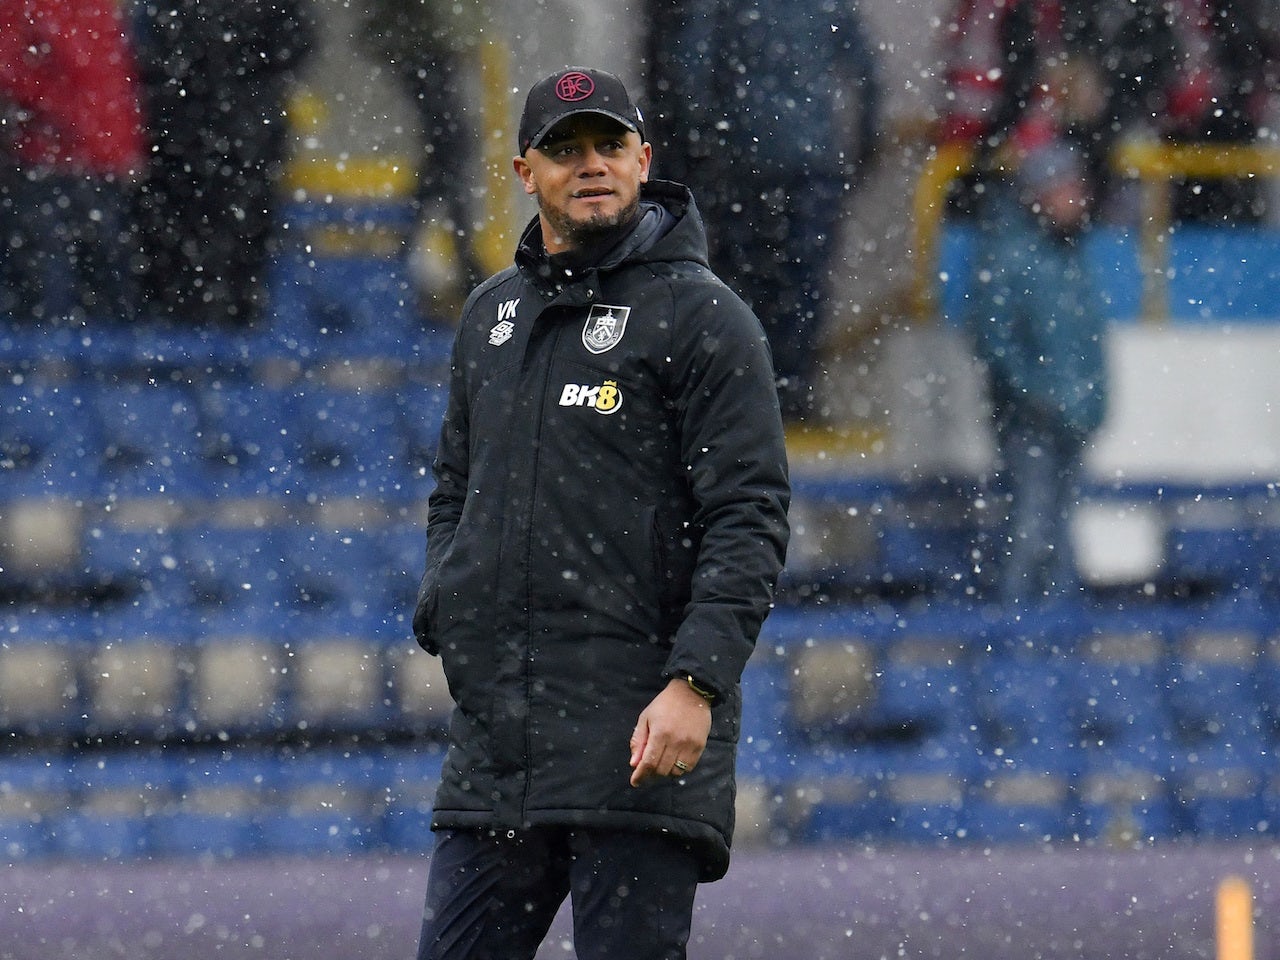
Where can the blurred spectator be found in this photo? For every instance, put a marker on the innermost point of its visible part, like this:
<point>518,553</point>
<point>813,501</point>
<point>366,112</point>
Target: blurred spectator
<point>69,147</point>
<point>1227,71</point>
<point>776,104</point>
<point>1038,324</point>
<point>1097,71</point>
<point>1021,72</point>
<point>1126,53</point>
<point>215,74</point>
<point>426,45</point>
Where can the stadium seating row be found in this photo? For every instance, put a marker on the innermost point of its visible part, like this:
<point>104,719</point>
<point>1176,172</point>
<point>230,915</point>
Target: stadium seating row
<point>1067,725</point>
<point>928,795</point>
<point>1047,695</point>
<point>258,572</point>
<point>875,535</point>
<point>228,438</point>
<point>1211,273</point>
<point>176,676</point>
<point>859,539</point>
<point>325,311</point>
<point>233,802</point>
<point>98,805</point>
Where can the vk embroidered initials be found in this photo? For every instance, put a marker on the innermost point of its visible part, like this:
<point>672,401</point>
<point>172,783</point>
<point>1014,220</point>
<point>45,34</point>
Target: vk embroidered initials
<point>501,331</point>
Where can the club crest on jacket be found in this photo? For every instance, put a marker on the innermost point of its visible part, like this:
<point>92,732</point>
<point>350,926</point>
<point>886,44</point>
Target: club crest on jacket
<point>604,327</point>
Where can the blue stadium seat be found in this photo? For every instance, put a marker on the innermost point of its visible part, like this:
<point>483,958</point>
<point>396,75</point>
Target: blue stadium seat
<point>1125,799</point>
<point>51,440</point>
<point>150,441</point>
<point>218,798</point>
<point>115,795</point>
<point>136,673</point>
<point>1227,560</point>
<point>342,572</point>
<point>1219,789</point>
<point>764,707</point>
<point>922,687</point>
<point>831,794</point>
<point>43,656</point>
<point>1023,701</point>
<point>1213,687</point>
<point>235,570</point>
<point>350,444</point>
<point>248,449</point>
<point>925,553</point>
<point>1023,797</point>
<point>340,307</point>
<point>1220,681</point>
<point>404,551</point>
<point>927,788</point>
<point>412,776</point>
<point>1267,673</point>
<point>35,793</point>
<point>1116,678</point>
<point>325,802</point>
<point>139,566</point>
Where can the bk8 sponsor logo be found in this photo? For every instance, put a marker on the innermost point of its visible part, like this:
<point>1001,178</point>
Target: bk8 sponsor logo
<point>606,398</point>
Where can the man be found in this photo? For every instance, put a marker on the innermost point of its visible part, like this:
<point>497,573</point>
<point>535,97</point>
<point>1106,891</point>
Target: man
<point>773,110</point>
<point>215,77</point>
<point>604,537</point>
<point>1039,327</point>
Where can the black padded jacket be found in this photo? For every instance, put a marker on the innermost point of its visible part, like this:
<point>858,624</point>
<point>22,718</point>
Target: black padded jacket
<point>609,512</point>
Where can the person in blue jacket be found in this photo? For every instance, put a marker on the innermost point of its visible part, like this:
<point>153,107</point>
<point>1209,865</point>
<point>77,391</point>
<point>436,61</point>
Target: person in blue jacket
<point>603,542</point>
<point>1038,323</point>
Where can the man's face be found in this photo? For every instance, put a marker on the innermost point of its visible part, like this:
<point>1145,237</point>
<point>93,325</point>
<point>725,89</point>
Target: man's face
<point>1064,205</point>
<point>586,177</point>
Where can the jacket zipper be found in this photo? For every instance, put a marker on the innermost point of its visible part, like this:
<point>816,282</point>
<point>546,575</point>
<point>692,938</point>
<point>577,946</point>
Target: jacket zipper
<point>543,379</point>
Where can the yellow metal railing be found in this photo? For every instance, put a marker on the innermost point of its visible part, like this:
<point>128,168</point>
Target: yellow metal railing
<point>1154,164</point>
<point>947,163</point>
<point>383,177</point>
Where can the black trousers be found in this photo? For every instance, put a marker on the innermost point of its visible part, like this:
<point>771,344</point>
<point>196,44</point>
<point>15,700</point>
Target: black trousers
<point>493,895</point>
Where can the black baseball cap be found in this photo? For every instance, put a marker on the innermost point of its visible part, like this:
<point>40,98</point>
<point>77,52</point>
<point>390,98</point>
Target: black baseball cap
<point>572,91</point>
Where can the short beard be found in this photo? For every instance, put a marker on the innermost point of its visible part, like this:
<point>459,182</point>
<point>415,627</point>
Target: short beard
<point>580,235</point>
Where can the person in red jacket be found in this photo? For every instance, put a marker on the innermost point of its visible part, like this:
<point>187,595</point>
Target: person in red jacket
<point>71,144</point>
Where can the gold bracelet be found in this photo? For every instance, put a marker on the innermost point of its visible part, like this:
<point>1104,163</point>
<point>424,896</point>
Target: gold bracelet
<point>703,692</point>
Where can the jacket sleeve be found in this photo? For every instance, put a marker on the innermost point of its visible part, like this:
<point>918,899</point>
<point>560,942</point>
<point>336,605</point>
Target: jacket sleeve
<point>734,452</point>
<point>444,507</point>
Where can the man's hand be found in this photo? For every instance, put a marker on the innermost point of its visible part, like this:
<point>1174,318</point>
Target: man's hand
<point>671,734</point>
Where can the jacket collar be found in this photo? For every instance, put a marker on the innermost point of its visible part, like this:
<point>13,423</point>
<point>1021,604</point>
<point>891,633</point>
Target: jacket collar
<point>668,228</point>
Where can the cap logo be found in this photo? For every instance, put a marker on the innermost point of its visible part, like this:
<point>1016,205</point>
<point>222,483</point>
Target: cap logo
<point>573,87</point>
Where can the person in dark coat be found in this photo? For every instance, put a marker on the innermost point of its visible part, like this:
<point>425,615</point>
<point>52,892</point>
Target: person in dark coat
<point>770,111</point>
<point>70,148</point>
<point>214,76</point>
<point>426,45</point>
<point>604,538</point>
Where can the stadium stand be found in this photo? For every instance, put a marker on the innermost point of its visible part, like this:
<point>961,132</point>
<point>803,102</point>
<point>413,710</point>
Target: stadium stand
<point>211,544</point>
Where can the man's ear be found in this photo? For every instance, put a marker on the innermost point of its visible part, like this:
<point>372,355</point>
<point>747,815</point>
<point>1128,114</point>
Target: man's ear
<point>524,171</point>
<point>646,160</point>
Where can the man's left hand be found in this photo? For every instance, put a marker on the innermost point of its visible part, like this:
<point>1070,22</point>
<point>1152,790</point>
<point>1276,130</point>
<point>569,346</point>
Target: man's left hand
<point>671,734</point>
